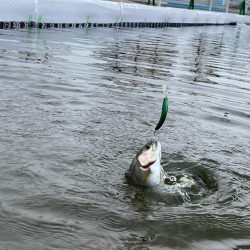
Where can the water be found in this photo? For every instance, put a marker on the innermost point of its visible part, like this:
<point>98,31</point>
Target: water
<point>76,105</point>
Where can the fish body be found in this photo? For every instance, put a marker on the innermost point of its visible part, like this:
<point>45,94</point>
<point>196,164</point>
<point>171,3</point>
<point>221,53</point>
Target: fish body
<point>146,169</point>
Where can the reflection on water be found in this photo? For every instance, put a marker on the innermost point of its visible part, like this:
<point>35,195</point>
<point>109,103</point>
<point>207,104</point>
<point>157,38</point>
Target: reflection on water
<point>75,107</point>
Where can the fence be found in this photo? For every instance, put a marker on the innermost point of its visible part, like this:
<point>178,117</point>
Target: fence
<point>232,6</point>
<point>213,5</point>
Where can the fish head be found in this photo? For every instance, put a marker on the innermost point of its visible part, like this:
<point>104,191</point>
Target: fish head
<point>145,168</point>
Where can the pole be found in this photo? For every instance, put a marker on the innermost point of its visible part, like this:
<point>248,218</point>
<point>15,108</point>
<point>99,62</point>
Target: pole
<point>242,7</point>
<point>121,10</point>
<point>191,4</point>
<point>227,5</point>
<point>247,4</point>
<point>210,5</point>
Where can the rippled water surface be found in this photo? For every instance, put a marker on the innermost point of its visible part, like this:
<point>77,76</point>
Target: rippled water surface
<point>76,105</point>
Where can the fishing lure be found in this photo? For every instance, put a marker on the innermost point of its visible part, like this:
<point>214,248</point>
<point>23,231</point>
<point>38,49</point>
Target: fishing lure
<point>164,110</point>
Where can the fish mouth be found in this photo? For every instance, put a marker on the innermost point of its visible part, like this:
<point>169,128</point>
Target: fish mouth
<point>146,167</point>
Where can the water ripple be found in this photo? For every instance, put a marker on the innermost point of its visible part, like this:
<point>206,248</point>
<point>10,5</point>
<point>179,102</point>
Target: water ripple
<point>75,107</point>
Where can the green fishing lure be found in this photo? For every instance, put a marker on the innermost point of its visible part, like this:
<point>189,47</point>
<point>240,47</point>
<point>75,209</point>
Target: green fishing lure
<point>164,112</point>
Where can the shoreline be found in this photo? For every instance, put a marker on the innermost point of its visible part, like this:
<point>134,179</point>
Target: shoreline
<point>96,13</point>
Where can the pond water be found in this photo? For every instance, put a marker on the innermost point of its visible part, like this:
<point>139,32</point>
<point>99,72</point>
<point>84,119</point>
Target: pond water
<point>75,107</point>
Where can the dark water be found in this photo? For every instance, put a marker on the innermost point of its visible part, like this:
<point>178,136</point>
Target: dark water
<point>76,105</point>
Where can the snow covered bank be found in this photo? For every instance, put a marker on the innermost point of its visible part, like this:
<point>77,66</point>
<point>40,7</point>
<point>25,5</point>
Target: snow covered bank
<point>82,13</point>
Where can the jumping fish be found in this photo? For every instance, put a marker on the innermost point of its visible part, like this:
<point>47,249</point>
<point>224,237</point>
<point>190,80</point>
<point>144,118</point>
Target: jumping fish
<point>146,168</point>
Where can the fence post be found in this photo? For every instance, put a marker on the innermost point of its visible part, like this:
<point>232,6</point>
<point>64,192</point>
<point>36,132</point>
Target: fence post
<point>152,1</point>
<point>191,4</point>
<point>210,5</point>
<point>242,7</point>
<point>121,10</point>
<point>227,6</point>
<point>246,7</point>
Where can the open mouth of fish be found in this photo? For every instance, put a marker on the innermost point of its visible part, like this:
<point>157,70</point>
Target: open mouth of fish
<point>146,167</point>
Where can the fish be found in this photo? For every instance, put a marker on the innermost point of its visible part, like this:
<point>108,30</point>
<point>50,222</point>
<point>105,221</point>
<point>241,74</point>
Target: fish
<point>146,169</point>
